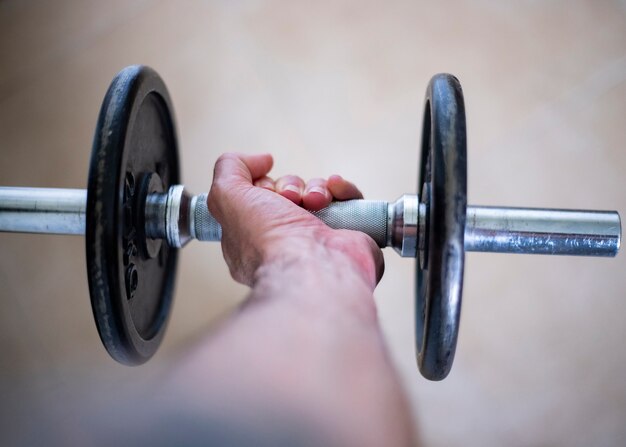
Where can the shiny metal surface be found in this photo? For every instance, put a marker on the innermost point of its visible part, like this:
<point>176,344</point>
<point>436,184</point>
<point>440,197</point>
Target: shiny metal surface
<point>542,231</point>
<point>203,225</point>
<point>367,216</point>
<point>43,210</point>
<point>404,225</point>
<point>156,210</point>
<point>151,190</point>
<point>179,217</point>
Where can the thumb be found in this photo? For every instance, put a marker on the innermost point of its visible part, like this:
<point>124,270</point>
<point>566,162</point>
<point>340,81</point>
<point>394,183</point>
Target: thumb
<point>233,174</point>
<point>238,169</point>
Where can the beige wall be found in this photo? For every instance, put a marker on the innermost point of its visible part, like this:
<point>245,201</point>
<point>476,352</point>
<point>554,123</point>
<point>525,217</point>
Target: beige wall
<point>337,87</point>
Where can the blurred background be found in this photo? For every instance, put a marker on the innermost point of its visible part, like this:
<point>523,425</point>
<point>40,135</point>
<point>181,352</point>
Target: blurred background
<point>337,87</point>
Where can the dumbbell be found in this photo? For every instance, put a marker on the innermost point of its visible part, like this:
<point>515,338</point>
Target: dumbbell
<point>135,215</point>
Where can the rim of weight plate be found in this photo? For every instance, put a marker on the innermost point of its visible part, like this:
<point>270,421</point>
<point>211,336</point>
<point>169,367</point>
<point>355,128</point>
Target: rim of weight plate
<point>135,152</point>
<point>443,190</point>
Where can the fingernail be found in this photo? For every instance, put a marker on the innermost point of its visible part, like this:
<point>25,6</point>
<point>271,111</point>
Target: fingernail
<point>318,190</point>
<point>292,188</point>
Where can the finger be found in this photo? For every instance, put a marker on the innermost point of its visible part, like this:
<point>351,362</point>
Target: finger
<point>265,182</point>
<point>316,195</point>
<point>258,165</point>
<point>342,189</point>
<point>290,187</point>
<point>237,168</point>
<point>234,173</point>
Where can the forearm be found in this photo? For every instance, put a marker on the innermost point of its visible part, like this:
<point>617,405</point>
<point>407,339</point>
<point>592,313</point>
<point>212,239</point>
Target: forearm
<point>309,335</point>
<point>305,350</point>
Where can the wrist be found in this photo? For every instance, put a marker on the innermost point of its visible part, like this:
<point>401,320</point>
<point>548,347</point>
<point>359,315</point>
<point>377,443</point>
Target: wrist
<point>324,251</point>
<point>319,278</point>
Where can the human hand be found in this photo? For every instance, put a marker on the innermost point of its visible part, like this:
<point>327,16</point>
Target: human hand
<point>262,222</point>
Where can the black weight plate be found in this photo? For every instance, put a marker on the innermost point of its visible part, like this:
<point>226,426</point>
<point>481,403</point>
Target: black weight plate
<point>131,291</point>
<point>443,187</point>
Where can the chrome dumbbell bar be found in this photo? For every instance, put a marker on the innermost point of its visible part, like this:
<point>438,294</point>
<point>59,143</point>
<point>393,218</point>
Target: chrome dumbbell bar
<point>179,217</point>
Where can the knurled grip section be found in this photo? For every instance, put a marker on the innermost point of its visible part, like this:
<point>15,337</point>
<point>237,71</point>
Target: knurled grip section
<point>367,216</point>
<point>205,225</point>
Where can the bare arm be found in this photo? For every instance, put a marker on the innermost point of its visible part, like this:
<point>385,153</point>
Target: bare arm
<point>302,363</point>
<point>306,346</point>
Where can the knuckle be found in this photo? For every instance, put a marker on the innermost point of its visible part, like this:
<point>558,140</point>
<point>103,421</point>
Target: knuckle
<point>222,161</point>
<point>226,156</point>
<point>217,191</point>
<point>365,240</point>
<point>290,180</point>
<point>218,196</point>
<point>214,203</point>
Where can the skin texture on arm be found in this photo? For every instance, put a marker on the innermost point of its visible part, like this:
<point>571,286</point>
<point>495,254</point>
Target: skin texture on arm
<point>302,363</point>
<point>305,352</point>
